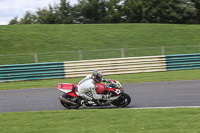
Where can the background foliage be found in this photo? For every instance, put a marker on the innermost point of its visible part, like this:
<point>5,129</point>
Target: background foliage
<point>115,11</point>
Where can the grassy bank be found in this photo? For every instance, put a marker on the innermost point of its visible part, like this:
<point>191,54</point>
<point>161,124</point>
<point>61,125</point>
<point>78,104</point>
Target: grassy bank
<point>17,39</point>
<point>181,120</point>
<point>62,42</point>
<point>126,78</point>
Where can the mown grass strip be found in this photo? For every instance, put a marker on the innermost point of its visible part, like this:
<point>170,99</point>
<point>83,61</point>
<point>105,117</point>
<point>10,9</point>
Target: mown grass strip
<point>181,120</point>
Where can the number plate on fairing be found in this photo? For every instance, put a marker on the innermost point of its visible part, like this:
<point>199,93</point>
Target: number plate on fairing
<point>118,91</point>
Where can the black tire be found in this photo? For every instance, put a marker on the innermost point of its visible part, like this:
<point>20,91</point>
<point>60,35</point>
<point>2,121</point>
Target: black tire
<point>122,101</point>
<point>66,105</point>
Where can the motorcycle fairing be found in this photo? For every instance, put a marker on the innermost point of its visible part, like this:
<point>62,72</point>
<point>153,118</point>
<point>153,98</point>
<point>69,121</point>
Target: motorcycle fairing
<point>100,88</point>
<point>70,89</point>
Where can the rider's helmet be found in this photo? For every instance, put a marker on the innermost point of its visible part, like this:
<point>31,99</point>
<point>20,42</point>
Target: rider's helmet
<point>97,76</point>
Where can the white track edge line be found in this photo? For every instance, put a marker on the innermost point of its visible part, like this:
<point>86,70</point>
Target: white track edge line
<point>170,107</point>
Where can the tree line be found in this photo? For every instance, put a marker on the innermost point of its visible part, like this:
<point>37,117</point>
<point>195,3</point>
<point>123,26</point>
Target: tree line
<point>115,11</point>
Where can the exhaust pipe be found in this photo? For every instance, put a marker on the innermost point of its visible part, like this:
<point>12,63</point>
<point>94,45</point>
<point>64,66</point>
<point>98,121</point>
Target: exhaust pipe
<point>67,101</point>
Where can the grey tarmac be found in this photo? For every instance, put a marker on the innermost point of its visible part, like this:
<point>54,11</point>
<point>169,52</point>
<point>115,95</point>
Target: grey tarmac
<point>144,95</point>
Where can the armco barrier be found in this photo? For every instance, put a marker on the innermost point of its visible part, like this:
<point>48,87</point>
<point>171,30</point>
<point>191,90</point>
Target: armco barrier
<point>183,62</point>
<point>31,71</point>
<point>106,66</point>
<point>115,66</point>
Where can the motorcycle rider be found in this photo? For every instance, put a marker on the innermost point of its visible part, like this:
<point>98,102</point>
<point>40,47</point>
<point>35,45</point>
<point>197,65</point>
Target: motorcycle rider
<point>86,87</point>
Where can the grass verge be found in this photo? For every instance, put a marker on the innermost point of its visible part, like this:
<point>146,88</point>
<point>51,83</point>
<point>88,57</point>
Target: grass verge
<point>55,43</point>
<point>127,78</point>
<point>181,120</point>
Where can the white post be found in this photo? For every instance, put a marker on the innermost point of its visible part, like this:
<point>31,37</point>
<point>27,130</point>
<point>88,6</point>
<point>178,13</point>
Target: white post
<point>80,54</point>
<point>36,57</point>
<point>199,48</point>
<point>163,50</point>
<point>122,52</point>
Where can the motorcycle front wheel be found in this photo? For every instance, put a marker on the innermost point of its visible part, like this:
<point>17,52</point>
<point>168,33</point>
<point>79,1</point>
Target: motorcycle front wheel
<point>67,105</point>
<point>122,101</point>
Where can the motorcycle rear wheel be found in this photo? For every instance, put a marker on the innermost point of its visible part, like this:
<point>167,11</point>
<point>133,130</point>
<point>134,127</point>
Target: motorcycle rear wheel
<point>67,105</point>
<point>122,101</point>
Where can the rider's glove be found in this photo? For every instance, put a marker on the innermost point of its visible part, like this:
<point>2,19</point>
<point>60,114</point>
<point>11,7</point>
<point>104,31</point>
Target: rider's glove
<point>106,80</point>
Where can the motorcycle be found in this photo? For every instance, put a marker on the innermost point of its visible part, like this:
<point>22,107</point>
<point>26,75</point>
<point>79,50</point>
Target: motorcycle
<point>71,100</point>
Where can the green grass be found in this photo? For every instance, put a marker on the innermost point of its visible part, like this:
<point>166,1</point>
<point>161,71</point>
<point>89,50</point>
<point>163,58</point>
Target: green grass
<point>126,78</point>
<point>181,120</point>
<point>135,38</point>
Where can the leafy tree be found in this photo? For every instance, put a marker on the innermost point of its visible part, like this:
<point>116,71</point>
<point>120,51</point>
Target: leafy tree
<point>168,11</point>
<point>91,10</point>
<point>98,11</point>
<point>47,16</point>
<point>185,14</point>
<point>133,11</point>
<point>115,11</point>
<point>157,11</point>
<point>196,4</point>
<point>29,18</point>
<point>65,13</point>
<point>13,21</point>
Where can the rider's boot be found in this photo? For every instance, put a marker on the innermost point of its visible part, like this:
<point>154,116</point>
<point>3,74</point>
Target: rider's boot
<point>83,103</point>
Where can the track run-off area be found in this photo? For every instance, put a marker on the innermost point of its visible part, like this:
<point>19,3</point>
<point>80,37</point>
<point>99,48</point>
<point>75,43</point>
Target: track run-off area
<point>169,94</point>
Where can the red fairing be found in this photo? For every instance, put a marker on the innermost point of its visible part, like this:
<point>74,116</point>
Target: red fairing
<point>100,88</point>
<point>72,94</point>
<point>67,87</point>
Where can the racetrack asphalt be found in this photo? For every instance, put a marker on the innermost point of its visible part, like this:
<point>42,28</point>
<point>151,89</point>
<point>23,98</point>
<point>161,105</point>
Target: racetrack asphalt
<point>152,94</point>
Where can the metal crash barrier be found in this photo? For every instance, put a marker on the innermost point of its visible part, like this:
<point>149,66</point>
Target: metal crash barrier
<point>183,61</point>
<point>67,69</point>
<point>115,66</point>
<point>31,71</point>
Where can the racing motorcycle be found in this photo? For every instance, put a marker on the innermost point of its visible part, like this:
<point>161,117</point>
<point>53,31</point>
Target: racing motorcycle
<point>71,100</point>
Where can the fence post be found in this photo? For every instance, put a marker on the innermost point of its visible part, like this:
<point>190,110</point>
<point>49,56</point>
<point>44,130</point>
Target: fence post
<point>36,57</point>
<point>80,54</point>
<point>122,52</point>
<point>199,48</point>
<point>163,50</point>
